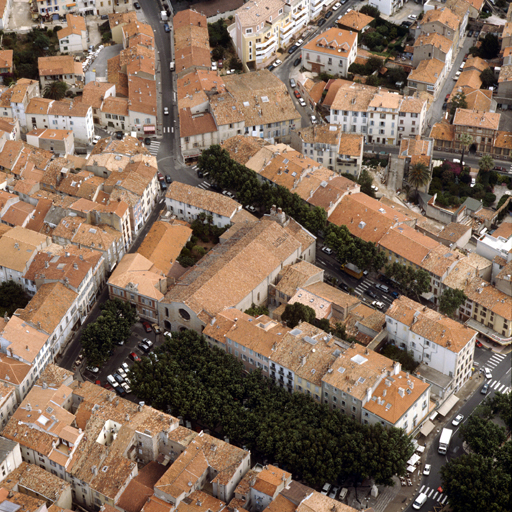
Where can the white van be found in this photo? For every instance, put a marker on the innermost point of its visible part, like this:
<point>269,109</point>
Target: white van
<point>112,381</point>
<point>420,501</point>
<point>171,66</point>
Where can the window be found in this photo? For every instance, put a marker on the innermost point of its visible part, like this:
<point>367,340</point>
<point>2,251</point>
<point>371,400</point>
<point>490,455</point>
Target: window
<point>248,30</point>
<point>184,314</point>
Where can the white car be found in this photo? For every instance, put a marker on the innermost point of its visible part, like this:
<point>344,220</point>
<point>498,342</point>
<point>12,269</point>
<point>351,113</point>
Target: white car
<point>214,66</point>
<point>96,139</point>
<point>125,367</point>
<point>457,420</point>
<point>166,111</point>
<point>299,42</point>
<point>412,17</point>
<point>327,250</point>
<point>121,372</point>
<point>229,194</point>
<point>277,63</point>
<point>339,17</point>
<point>336,6</point>
<point>488,374</point>
<point>314,120</point>
<point>427,469</point>
<point>375,188</point>
<point>126,387</point>
<point>92,369</point>
<point>377,304</point>
<point>302,103</point>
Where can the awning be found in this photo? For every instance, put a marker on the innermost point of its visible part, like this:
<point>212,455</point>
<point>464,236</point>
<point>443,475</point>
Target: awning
<point>433,416</point>
<point>149,128</point>
<point>70,5</point>
<point>428,296</point>
<point>420,449</point>
<point>411,469</point>
<point>448,405</point>
<point>427,427</point>
<point>413,460</point>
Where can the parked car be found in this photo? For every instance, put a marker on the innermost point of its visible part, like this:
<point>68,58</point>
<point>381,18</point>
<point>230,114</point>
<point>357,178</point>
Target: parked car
<point>125,367</point>
<point>336,6</point>
<point>144,348</point>
<point>214,66</point>
<point>371,294</point>
<point>136,5</point>
<point>426,470</point>
<point>293,83</point>
<point>270,68</point>
<point>111,380</point>
<point>118,378</point>
<point>134,357</point>
<point>119,135</point>
<point>296,62</point>
<point>412,16</point>
<point>228,194</point>
<point>479,344</point>
<point>496,168</point>
<point>293,48</point>
<point>160,176</point>
<point>147,141</point>
<point>470,33</point>
<point>302,103</point>
<point>168,179</point>
<point>327,250</point>
<point>166,27</point>
<point>156,328</point>
<point>147,326</point>
<point>322,22</point>
<point>457,420</point>
<point>395,295</point>
<point>445,105</point>
<point>297,94</point>
<point>485,389</point>
<point>377,304</point>
<point>334,493</point>
<point>314,120</point>
<point>382,287</point>
<point>120,390</point>
<point>126,387</point>
<point>121,372</point>
<point>325,489</point>
<point>344,287</point>
<point>250,208</point>
<point>199,174</point>
<point>166,111</point>
<point>147,342</point>
<point>488,374</point>
<point>343,2</point>
<point>92,369</point>
<point>277,62</point>
<point>96,139</point>
<point>328,15</point>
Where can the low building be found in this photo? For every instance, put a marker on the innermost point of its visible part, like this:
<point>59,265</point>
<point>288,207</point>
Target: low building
<point>6,61</point>
<point>355,21</point>
<point>62,68</point>
<point>16,373</point>
<point>188,203</point>
<point>331,147</point>
<point>138,281</point>
<point>8,404</point>
<point>74,37</point>
<point>428,76</point>
<point>442,21</point>
<point>10,456</point>
<point>432,46</point>
<point>61,142</point>
<point>330,52</point>
<point>443,343</point>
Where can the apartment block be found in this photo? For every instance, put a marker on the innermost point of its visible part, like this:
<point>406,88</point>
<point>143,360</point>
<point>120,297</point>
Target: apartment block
<point>428,77</point>
<point>434,339</point>
<point>73,38</point>
<point>10,456</point>
<point>331,52</point>
<point>442,21</point>
<point>384,117</point>
<point>63,68</point>
<point>60,142</point>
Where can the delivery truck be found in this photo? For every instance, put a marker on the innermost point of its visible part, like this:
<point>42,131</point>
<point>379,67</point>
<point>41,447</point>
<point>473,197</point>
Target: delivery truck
<point>352,270</point>
<point>444,441</point>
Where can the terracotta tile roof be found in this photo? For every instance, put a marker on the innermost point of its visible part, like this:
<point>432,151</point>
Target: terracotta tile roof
<point>59,65</point>
<point>191,125</point>
<point>116,76</point>
<point>119,18</point>
<point>465,117</point>
<point>444,16</point>
<point>297,275</point>
<point>12,370</point>
<point>440,260</point>
<point>163,244</point>
<point>6,58</point>
<point>479,99</point>
<point>134,28</point>
<point>19,344</point>
<point>355,20</point>
<point>187,18</point>
<point>242,148</point>
<point>193,88</point>
<point>316,91</point>
<point>138,59</point>
<point>477,63</point>
<point>270,479</point>
<point>69,108</point>
<point>332,40</point>
<point>431,325</point>
<point>142,95</point>
<point>317,502</point>
<point>49,306</point>
<point>415,146</point>
<point>469,79</point>
<point>141,272</point>
<point>94,92</point>
<point>428,71</point>
<point>230,270</point>
<point>249,14</point>
<point>117,106</point>
<point>443,131</point>
<point>38,106</point>
<point>505,74</point>
<point>190,57</point>
<point>453,231</point>
<point>76,24</point>
<point>332,87</point>
<point>17,214</point>
<point>324,134</point>
<point>332,294</point>
<point>442,43</point>
<point>351,144</point>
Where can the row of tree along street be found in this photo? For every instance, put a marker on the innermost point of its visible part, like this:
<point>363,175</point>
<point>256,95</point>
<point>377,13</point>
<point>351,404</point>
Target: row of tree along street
<point>315,443</point>
<point>482,480</point>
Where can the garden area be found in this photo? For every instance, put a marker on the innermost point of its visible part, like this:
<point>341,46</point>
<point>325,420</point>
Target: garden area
<point>220,41</point>
<point>12,297</point>
<point>453,185</point>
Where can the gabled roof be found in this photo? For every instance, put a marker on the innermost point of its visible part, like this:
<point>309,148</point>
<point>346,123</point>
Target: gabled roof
<point>428,71</point>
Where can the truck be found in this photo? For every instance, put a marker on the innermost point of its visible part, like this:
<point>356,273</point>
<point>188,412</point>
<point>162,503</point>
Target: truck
<point>163,15</point>
<point>444,440</point>
<point>352,270</point>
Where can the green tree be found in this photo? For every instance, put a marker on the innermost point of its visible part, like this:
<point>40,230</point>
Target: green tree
<point>488,78</point>
<point>419,175</point>
<point>12,297</point>
<point>370,10</point>
<point>451,300</point>
<point>96,341</point>
<point>295,313</point>
<point>502,404</point>
<point>55,90</point>
<point>474,482</point>
<point>365,181</point>
<point>405,358</point>
<point>257,310</point>
<point>490,47</point>
<point>218,33</point>
<point>465,140</point>
<point>374,63</point>
<point>458,101</point>
<point>486,163</point>
<point>482,435</point>
<point>410,281</point>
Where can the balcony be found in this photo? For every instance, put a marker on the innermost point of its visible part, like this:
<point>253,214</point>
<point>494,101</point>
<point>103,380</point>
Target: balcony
<point>287,29</point>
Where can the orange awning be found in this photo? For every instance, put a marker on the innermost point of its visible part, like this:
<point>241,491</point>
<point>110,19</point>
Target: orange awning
<point>70,5</point>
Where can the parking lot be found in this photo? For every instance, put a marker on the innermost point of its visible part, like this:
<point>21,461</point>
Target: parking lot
<point>121,355</point>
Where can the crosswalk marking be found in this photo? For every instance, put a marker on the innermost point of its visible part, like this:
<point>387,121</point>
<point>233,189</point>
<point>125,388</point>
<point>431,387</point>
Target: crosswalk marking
<point>436,495</point>
<point>443,500</point>
<point>204,185</point>
<point>430,493</point>
<point>422,487</point>
<point>155,146</point>
<point>195,167</point>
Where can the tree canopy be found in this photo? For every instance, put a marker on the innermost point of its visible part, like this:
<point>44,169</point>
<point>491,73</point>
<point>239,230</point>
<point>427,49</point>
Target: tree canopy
<point>55,90</point>
<point>317,443</point>
<point>12,297</point>
<point>410,281</point>
<point>451,300</point>
<point>458,101</point>
<point>295,313</point>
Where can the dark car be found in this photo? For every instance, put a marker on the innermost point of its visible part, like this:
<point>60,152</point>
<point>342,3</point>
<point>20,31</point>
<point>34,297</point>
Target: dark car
<point>470,33</point>
<point>104,16</point>
<point>296,62</point>
<point>119,135</point>
<point>200,174</point>
<point>120,390</point>
<point>344,287</point>
<point>271,67</point>
<point>371,294</point>
<point>293,49</point>
<point>147,141</point>
<point>118,378</point>
<point>166,27</point>
<point>500,169</point>
<point>136,5</point>
<point>328,15</point>
<point>477,34</point>
<point>168,179</point>
<point>395,295</point>
<point>322,22</point>
<point>406,24</point>
<point>445,105</point>
<point>145,348</point>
